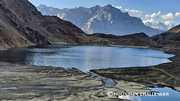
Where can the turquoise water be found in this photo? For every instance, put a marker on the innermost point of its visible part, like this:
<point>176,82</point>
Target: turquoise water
<point>84,58</point>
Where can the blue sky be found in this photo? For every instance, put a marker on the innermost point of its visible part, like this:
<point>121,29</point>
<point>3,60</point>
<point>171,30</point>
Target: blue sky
<point>167,11</point>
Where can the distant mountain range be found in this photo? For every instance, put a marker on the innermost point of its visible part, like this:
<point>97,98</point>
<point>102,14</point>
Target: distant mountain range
<point>107,19</point>
<point>159,25</point>
<point>22,25</point>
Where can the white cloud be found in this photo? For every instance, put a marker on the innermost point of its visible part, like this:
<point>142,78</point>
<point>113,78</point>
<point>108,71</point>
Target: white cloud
<point>135,13</point>
<point>177,14</point>
<point>154,15</point>
<point>170,24</point>
<point>168,16</point>
<point>162,25</point>
<point>149,20</point>
<point>165,17</point>
<point>118,7</point>
<point>155,20</point>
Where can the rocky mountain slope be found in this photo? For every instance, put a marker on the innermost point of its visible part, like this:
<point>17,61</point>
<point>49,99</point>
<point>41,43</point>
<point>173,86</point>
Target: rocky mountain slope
<point>107,19</point>
<point>169,40</point>
<point>21,24</point>
<point>9,40</point>
<point>140,40</point>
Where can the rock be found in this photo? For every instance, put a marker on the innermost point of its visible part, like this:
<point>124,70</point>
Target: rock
<point>107,19</point>
<point>20,19</point>
<point>138,39</point>
<point>170,40</point>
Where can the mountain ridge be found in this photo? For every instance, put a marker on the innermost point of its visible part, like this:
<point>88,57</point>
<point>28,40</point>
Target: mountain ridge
<point>106,19</point>
<point>22,25</point>
<point>169,40</point>
<point>21,19</point>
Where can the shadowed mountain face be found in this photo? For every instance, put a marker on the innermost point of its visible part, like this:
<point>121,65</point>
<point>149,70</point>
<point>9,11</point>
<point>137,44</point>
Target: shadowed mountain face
<point>170,39</point>
<point>107,19</point>
<point>137,39</point>
<point>21,24</point>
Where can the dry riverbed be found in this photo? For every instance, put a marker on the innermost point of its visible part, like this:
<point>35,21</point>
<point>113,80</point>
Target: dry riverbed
<point>31,83</point>
<point>163,75</point>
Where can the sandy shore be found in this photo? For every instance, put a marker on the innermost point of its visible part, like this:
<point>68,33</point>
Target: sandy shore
<point>31,83</point>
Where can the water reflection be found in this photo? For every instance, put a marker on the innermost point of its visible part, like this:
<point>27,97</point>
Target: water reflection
<point>84,58</point>
<point>17,55</point>
<point>173,95</point>
<point>163,94</point>
<point>130,98</point>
